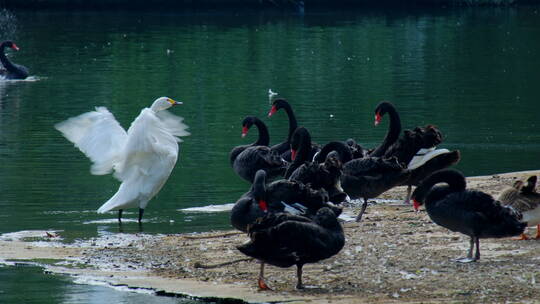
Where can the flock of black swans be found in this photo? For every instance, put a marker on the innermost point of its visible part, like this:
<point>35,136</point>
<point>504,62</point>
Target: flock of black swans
<point>291,210</point>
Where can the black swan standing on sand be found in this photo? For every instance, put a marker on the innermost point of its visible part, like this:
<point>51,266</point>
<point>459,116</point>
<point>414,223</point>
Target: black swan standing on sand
<point>416,148</point>
<point>473,213</point>
<point>11,70</point>
<point>284,148</point>
<point>278,196</point>
<point>285,240</point>
<point>369,177</point>
<point>319,176</point>
<point>247,159</point>
<point>394,127</point>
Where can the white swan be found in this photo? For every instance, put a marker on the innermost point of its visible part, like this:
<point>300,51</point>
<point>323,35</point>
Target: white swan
<point>142,158</point>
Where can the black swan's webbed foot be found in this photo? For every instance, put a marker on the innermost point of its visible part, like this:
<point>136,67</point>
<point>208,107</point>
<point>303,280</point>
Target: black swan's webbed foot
<point>469,258</point>
<point>260,281</point>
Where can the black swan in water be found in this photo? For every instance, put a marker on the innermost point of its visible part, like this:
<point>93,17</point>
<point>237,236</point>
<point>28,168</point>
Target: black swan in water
<point>247,159</point>
<point>473,213</point>
<point>11,70</point>
<point>284,148</point>
<point>278,196</point>
<point>285,240</point>
<point>524,198</point>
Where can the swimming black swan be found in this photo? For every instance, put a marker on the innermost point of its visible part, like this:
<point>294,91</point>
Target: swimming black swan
<point>284,240</point>
<point>284,147</point>
<point>278,196</point>
<point>524,198</point>
<point>247,159</point>
<point>394,127</point>
<point>11,70</point>
<point>470,212</point>
<point>369,177</point>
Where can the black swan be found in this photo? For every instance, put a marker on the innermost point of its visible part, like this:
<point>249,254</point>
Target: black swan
<point>344,150</point>
<point>473,213</point>
<point>369,177</point>
<point>285,240</point>
<point>416,148</point>
<point>247,159</point>
<point>394,127</point>
<point>278,196</point>
<point>524,198</point>
<point>11,70</point>
<point>319,176</point>
<point>284,148</point>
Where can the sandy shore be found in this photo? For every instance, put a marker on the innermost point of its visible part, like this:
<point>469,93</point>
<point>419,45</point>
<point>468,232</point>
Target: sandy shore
<point>394,255</point>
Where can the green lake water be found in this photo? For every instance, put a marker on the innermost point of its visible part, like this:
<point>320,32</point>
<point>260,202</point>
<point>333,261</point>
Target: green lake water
<point>472,72</point>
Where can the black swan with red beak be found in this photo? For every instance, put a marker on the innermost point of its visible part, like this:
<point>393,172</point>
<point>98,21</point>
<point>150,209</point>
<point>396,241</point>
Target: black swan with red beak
<point>473,213</point>
<point>285,240</point>
<point>246,160</point>
<point>278,196</point>
<point>284,148</point>
<point>11,70</point>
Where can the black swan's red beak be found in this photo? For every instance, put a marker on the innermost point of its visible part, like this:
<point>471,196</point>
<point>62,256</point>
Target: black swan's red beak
<point>272,111</point>
<point>378,118</point>
<point>263,205</point>
<point>15,47</point>
<point>293,154</point>
<point>244,131</point>
<point>416,205</point>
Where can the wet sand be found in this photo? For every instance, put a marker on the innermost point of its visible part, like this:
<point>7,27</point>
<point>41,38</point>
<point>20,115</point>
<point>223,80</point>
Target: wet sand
<point>394,255</point>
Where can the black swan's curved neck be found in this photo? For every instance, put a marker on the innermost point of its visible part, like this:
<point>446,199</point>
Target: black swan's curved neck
<point>455,180</point>
<point>5,61</point>
<point>264,136</point>
<point>259,185</point>
<point>394,128</point>
<point>341,148</point>
<point>304,145</point>
<point>293,123</point>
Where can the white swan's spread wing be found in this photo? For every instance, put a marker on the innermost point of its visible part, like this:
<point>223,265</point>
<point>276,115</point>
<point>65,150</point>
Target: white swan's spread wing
<point>98,135</point>
<point>150,155</point>
<point>174,124</point>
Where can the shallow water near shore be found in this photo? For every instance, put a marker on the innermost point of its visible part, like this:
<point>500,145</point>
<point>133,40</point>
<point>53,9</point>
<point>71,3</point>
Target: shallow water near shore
<point>472,72</point>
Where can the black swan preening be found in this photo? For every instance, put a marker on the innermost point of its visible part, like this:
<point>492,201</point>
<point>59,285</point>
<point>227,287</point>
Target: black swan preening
<point>285,240</point>
<point>246,160</point>
<point>11,70</point>
<point>278,196</point>
<point>473,213</point>
<point>300,150</point>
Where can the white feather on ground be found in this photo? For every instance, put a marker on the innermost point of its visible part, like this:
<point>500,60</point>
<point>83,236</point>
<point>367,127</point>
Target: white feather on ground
<point>142,158</point>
